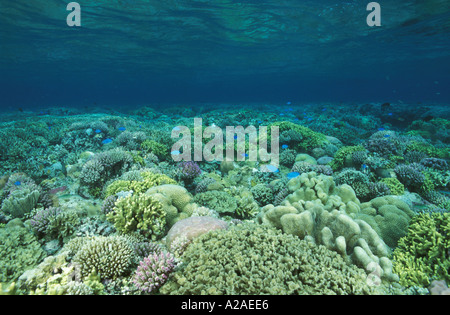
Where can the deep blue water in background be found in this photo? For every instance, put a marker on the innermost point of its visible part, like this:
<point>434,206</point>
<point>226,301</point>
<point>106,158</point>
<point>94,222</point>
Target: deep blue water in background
<point>136,52</point>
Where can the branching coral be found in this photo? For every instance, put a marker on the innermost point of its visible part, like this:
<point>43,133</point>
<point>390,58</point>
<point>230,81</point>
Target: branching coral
<point>111,257</point>
<point>423,254</point>
<point>139,212</point>
<point>251,259</point>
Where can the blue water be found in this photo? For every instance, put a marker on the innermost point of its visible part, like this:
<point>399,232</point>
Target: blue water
<point>133,52</point>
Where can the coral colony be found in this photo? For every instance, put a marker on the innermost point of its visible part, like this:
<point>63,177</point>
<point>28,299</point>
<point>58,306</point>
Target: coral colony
<point>157,203</point>
<point>224,148</point>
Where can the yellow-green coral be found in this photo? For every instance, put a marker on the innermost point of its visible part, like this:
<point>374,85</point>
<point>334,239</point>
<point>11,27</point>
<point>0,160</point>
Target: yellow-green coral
<point>344,156</point>
<point>139,212</point>
<point>394,185</point>
<point>158,149</point>
<point>252,259</point>
<point>149,180</point>
<point>310,138</point>
<point>110,257</point>
<point>19,250</point>
<point>423,254</point>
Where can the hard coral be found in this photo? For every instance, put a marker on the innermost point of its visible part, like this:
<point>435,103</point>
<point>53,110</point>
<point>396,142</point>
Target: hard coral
<point>251,259</point>
<point>154,271</point>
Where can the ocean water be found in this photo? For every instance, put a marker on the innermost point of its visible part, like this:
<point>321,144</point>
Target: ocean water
<point>205,147</point>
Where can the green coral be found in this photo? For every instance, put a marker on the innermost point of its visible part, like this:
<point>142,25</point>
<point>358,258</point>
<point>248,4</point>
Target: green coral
<point>394,185</point>
<point>19,250</point>
<point>110,257</point>
<point>158,149</point>
<point>429,149</point>
<point>423,254</point>
<point>309,138</point>
<point>343,156</point>
<point>263,194</point>
<point>252,259</point>
<point>388,216</point>
<point>220,201</point>
<point>139,212</point>
<point>148,181</point>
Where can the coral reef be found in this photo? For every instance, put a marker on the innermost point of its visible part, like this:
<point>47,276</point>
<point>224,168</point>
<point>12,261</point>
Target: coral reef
<point>251,259</point>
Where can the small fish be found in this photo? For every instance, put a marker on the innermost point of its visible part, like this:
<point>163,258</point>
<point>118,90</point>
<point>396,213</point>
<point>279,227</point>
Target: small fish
<point>122,128</point>
<point>272,168</point>
<point>284,146</point>
<point>310,119</point>
<point>235,137</point>
<point>387,136</point>
<point>381,129</point>
<point>281,114</point>
<point>175,152</point>
<point>292,175</point>
<point>260,122</point>
<point>244,155</point>
<point>106,141</point>
<point>364,166</point>
<point>98,131</point>
<point>288,103</point>
<point>140,126</point>
<point>390,114</point>
<point>18,183</point>
<point>176,128</point>
<point>324,109</point>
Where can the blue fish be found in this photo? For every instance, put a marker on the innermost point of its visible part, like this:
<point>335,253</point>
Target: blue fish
<point>235,137</point>
<point>98,131</point>
<point>284,146</point>
<point>288,103</point>
<point>106,141</point>
<point>281,114</point>
<point>272,168</point>
<point>18,183</point>
<point>260,122</point>
<point>176,128</point>
<point>122,128</point>
<point>381,129</point>
<point>324,109</point>
<point>387,136</point>
<point>390,114</point>
<point>244,155</point>
<point>292,175</point>
<point>175,152</point>
<point>310,119</point>
<point>364,166</point>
